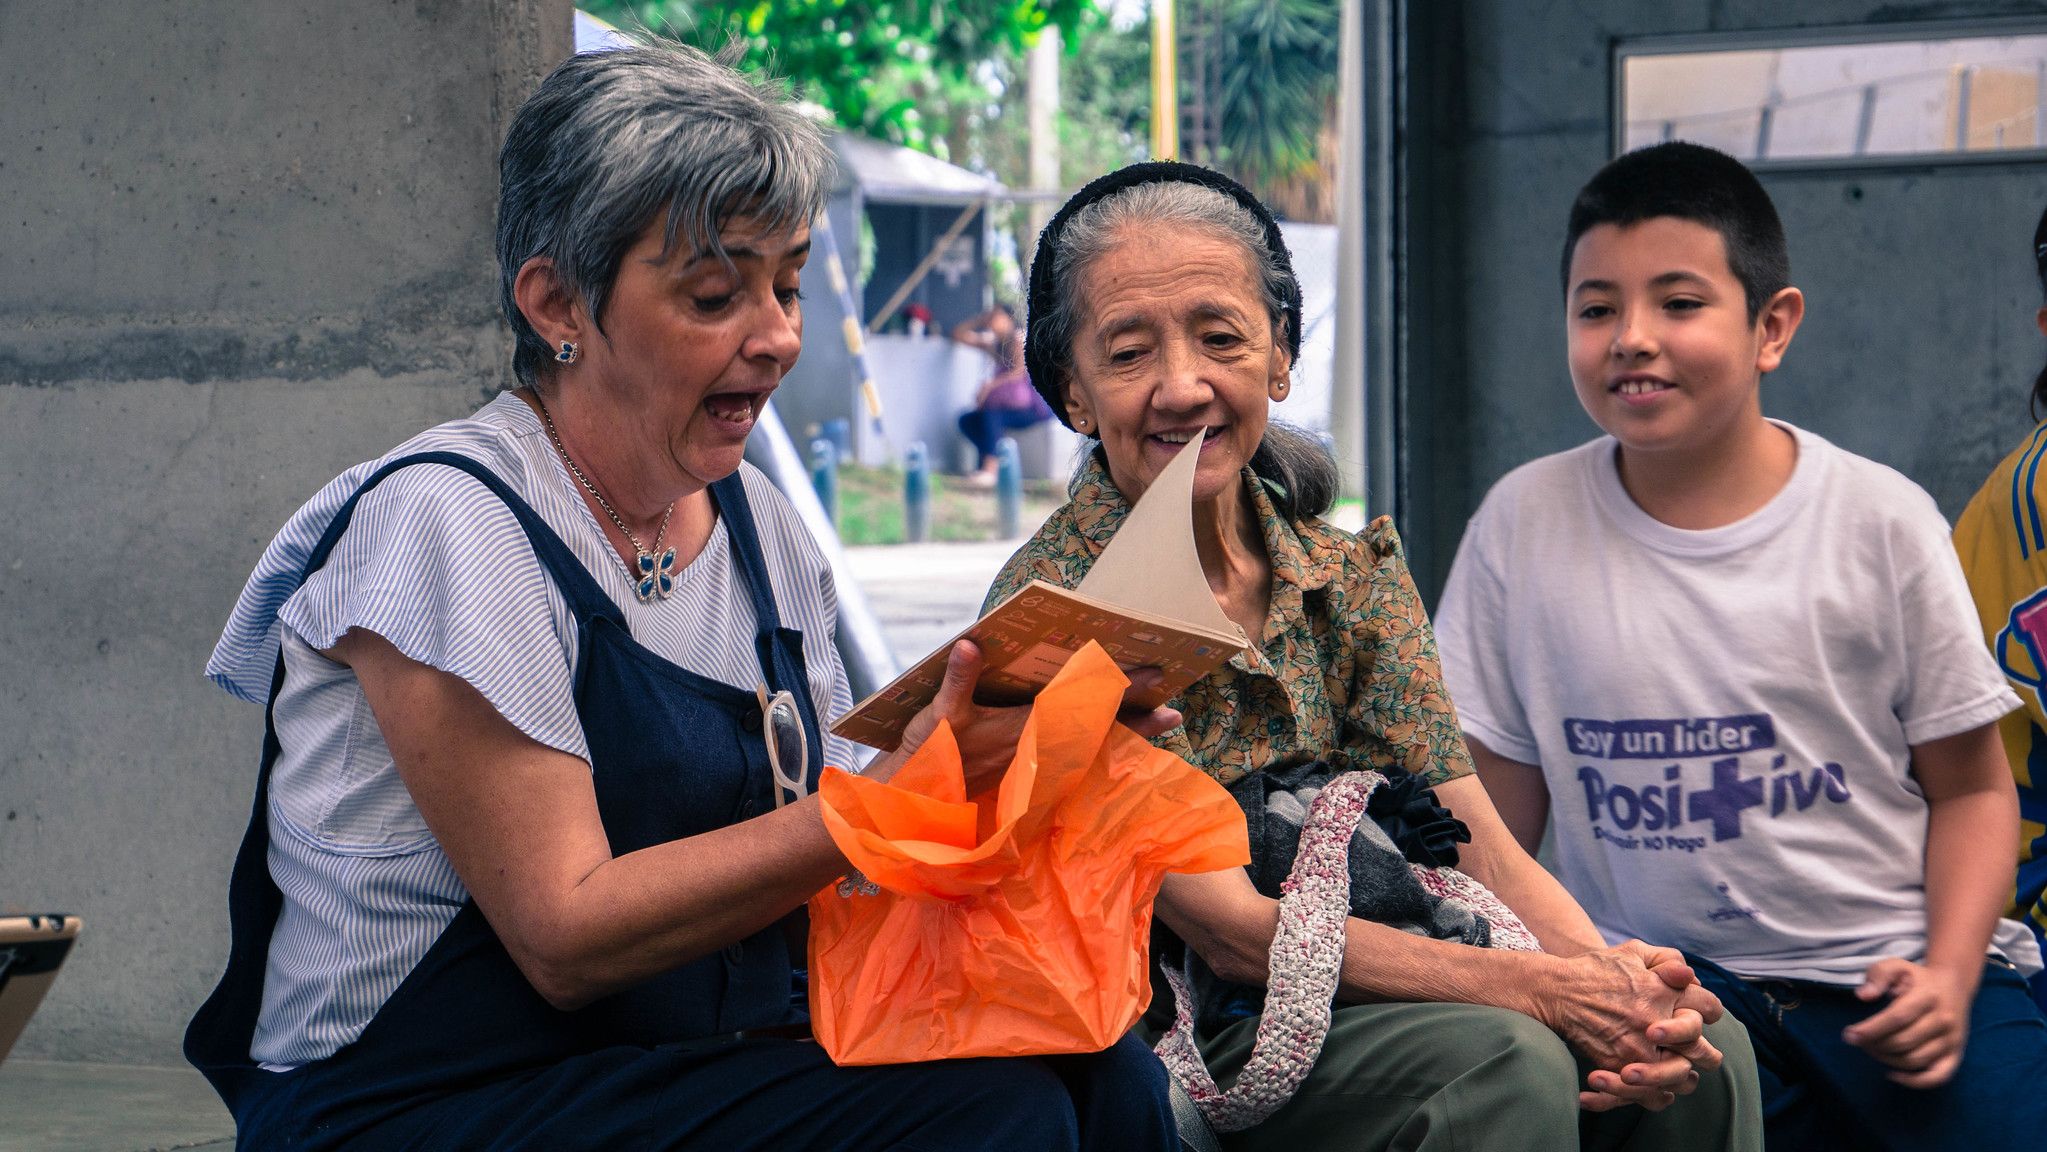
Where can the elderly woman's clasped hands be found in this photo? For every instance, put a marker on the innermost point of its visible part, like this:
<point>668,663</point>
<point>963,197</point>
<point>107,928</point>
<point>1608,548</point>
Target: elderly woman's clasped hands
<point>1648,1065</point>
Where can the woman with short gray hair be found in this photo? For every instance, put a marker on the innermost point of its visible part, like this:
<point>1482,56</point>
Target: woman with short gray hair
<point>536,817</point>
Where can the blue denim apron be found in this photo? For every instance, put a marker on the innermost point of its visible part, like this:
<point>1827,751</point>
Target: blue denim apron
<point>672,754</point>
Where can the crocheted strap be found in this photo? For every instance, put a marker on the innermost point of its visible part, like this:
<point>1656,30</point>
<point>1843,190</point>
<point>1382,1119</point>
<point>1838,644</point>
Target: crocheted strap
<point>1307,957</point>
<point>1508,932</point>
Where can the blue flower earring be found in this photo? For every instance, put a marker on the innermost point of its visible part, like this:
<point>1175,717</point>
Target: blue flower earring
<point>569,352</point>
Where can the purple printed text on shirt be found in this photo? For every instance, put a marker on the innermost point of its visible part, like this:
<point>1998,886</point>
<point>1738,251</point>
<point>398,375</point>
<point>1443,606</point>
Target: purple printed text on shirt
<point>1669,739</point>
<point>1633,806</point>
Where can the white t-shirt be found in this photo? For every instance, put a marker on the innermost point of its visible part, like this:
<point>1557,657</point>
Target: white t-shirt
<point>1724,718</point>
<point>436,564</point>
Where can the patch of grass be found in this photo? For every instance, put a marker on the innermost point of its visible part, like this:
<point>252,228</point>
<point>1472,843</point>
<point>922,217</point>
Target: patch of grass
<point>871,506</point>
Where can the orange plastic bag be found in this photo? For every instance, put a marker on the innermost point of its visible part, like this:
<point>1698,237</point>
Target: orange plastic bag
<point>1017,925</point>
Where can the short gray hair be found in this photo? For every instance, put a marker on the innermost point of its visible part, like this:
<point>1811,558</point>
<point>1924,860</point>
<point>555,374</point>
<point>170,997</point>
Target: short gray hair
<point>1297,467</point>
<point>610,139</point>
<point>1161,206</point>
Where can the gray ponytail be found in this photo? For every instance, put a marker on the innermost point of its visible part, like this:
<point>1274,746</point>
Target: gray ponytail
<point>1298,471</point>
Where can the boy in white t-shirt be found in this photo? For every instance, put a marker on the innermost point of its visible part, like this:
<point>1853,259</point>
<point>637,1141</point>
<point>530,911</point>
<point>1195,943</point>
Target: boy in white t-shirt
<point>1740,669</point>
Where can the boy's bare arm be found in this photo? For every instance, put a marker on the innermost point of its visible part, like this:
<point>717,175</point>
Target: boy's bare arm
<point>1971,840</point>
<point>1517,792</point>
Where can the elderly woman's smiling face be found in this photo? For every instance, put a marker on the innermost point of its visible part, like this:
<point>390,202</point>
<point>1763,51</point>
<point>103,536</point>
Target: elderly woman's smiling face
<point>1174,338</point>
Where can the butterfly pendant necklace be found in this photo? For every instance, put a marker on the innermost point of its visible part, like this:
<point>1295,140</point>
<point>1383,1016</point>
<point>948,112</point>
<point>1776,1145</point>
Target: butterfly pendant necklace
<point>652,573</point>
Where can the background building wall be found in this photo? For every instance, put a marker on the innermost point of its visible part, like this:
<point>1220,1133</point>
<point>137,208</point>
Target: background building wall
<point>821,386</point>
<point>1918,347</point>
<point>242,247</point>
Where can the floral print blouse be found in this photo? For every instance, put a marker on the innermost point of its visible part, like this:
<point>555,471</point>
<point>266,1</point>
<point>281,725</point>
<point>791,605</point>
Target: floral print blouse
<point>1347,667</point>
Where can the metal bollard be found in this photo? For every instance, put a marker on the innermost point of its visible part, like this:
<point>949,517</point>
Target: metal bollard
<point>1008,490</point>
<point>824,476</point>
<point>840,433</point>
<point>916,493</point>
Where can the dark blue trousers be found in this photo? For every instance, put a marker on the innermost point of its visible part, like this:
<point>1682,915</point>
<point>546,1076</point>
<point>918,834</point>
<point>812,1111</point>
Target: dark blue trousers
<point>1822,1094</point>
<point>985,426</point>
<point>770,1095</point>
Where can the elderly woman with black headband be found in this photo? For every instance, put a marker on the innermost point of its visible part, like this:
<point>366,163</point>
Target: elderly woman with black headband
<point>1164,308</point>
<point>544,682</point>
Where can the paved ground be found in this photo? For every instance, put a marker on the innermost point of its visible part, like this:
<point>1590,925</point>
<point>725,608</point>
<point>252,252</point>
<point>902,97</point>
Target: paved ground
<point>925,593</point>
<point>48,1107</point>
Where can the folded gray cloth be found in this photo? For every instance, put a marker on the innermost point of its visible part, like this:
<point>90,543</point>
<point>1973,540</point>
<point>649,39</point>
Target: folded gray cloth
<point>1383,888</point>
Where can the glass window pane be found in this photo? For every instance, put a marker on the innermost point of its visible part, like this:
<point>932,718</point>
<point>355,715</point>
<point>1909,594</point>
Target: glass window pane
<point>1880,98</point>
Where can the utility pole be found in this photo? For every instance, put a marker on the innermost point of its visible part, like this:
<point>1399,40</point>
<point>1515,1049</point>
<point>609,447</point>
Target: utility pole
<point>1347,390</point>
<point>1165,84</point>
<point>1043,95</point>
<point>1199,145</point>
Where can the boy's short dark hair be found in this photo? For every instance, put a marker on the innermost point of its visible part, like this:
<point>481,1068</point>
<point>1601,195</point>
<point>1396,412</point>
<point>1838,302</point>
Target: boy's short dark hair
<point>1696,183</point>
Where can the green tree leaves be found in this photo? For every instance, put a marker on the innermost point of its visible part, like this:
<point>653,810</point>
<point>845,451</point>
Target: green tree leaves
<point>928,74</point>
<point>1277,85</point>
<point>946,77</point>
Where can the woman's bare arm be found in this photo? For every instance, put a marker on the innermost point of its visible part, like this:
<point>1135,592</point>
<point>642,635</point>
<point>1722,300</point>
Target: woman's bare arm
<point>519,822</point>
<point>1495,858</point>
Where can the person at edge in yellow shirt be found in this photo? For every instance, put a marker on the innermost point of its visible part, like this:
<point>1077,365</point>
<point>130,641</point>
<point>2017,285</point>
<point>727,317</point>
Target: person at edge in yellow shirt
<point>2002,539</point>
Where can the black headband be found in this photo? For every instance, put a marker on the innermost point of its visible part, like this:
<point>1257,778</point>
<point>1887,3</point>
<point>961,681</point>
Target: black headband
<point>1038,359</point>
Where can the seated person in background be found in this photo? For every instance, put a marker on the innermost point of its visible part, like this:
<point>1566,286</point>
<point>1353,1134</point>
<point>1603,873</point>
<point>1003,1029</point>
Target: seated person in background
<point>1006,401</point>
<point>2004,554</point>
<point>1163,304</point>
<point>520,873</point>
<point>1738,667</point>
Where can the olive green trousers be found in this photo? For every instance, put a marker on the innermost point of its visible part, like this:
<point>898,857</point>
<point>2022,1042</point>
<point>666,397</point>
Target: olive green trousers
<point>1452,1076</point>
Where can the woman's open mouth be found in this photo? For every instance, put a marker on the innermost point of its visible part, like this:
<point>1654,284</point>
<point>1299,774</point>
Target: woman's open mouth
<point>737,409</point>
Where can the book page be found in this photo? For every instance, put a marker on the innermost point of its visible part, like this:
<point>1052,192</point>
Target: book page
<point>1150,564</point>
<point>1026,639</point>
<point>1145,602</point>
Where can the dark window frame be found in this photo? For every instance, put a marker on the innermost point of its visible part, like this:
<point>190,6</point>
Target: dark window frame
<point>1831,36</point>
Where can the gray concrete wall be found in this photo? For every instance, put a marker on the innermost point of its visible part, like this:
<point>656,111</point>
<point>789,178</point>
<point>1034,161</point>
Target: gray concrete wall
<point>1918,347</point>
<point>242,246</point>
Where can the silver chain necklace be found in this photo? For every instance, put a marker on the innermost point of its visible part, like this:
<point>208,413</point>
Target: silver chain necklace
<point>654,578</point>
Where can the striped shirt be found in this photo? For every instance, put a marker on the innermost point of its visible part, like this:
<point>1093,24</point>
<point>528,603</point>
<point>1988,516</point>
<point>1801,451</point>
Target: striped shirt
<point>438,566</point>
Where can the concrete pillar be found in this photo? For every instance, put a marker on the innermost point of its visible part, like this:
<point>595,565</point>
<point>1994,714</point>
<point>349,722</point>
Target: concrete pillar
<point>241,247</point>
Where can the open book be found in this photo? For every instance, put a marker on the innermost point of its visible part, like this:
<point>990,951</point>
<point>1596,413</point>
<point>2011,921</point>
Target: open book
<point>1145,602</point>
